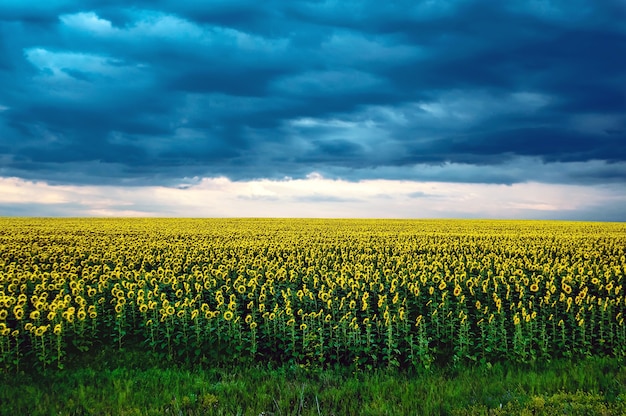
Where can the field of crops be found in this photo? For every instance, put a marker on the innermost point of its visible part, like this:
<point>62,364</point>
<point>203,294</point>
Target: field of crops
<point>367,293</point>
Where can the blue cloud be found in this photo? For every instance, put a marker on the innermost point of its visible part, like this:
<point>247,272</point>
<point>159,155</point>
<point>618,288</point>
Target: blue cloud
<point>158,91</point>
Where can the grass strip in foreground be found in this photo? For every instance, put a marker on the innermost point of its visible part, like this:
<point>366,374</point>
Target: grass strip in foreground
<point>117,387</point>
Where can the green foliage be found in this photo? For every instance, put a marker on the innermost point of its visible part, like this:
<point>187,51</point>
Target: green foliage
<point>134,383</point>
<point>369,294</point>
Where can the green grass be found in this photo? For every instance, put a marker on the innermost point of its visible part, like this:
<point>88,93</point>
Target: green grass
<point>133,383</point>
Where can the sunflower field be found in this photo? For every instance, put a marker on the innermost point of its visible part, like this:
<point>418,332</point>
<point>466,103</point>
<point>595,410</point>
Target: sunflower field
<point>368,293</point>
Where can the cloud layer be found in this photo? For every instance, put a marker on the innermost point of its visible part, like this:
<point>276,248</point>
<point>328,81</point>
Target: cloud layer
<point>316,196</point>
<point>149,93</point>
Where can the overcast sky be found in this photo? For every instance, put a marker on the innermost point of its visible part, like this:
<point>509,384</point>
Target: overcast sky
<point>439,108</point>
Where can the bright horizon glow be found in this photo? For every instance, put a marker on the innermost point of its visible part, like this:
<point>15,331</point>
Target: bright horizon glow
<point>312,197</point>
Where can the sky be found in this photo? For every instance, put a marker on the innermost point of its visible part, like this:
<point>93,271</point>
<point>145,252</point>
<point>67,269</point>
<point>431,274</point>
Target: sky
<point>378,109</point>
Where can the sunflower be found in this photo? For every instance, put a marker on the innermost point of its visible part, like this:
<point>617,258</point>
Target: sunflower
<point>18,312</point>
<point>81,315</point>
<point>457,291</point>
<point>41,330</point>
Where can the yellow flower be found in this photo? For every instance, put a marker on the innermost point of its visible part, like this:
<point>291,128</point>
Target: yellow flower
<point>228,315</point>
<point>39,332</point>
<point>18,312</point>
<point>81,315</point>
<point>57,329</point>
<point>457,291</point>
<point>302,327</point>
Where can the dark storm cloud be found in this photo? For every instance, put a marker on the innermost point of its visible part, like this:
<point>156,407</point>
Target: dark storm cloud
<point>154,92</point>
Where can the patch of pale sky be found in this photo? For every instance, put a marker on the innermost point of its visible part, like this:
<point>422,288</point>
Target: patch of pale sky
<point>221,197</point>
<point>171,28</point>
<point>469,106</point>
<point>54,63</point>
<point>88,22</point>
